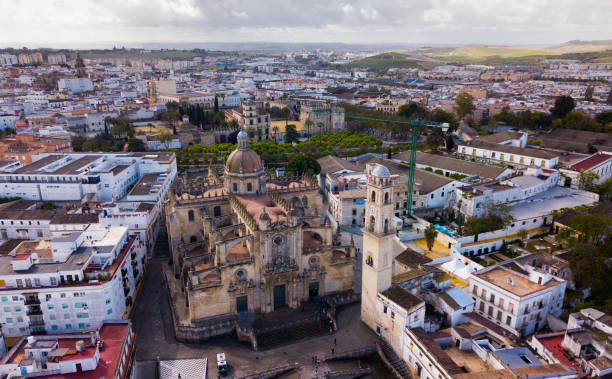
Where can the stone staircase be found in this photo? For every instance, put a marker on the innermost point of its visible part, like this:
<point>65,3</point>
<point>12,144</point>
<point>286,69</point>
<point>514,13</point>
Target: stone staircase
<point>395,363</point>
<point>272,372</point>
<point>291,332</point>
<point>351,354</point>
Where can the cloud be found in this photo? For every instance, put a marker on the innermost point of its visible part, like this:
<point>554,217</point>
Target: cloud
<point>62,22</point>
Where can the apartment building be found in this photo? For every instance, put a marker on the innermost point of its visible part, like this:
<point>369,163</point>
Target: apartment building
<point>105,353</point>
<point>516,296</point>
<point>75,85</point>
<point>107,176</point>
<point>69,283</point>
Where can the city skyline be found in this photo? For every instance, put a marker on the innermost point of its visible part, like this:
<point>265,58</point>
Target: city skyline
<point>68,24</point>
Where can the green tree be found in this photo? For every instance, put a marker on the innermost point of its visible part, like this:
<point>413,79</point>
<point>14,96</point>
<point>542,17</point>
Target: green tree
<point>48,205</point>
<point>135,144</point>
<point>464,105</point>
<point>216,106</point>
<point>563,106</point>
<point>302,164</point>
<point>430,236</point>
<point>450,143</point>
<point>586,180</point>
<point>320,126</point>
<point>291,134</point>
<point>435,138</point>
<point>164,137</point>
<point>605,190</point>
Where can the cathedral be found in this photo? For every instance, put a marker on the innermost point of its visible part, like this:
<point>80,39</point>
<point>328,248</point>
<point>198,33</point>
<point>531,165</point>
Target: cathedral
<point>243,240</point>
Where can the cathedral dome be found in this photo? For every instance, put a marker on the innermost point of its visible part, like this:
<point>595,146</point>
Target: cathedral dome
<point>381,171</point>
<point>243,160</point>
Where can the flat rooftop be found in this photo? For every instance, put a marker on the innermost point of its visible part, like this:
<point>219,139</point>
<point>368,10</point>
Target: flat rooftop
<point>512,282</point>
<point>545,202</point>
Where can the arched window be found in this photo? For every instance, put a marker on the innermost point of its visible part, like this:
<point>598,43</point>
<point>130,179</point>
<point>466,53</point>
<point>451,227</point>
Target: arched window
<point>386,197</point>
<point>386,225</point>
<point>193,239</point>
<point>217,211</point>
<point>249,187</point>
<point>373,196</point>
<point>191,215</point>
<point>372,222</point>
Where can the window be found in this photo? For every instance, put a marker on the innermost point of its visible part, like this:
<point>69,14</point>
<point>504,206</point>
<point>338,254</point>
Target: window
<point>19,319</point>
<point>235,187</point>
<point>17,309</point>
<point>48,297</point>
<point>7,309</point>
<point>68,326</point>
<point>54,283</point>
<point>50,306</point>
<point>81,326</point>
<point>508,320</point>
<point>15,298</point>
<point>62,295</point>
<point>385,309</point>
<point>249,187</point>
<point>392,314</point>
<point>4,298</point>
<point>82,315</point>
<point>108,300</point>
<point>9,320</point>
<point>191,215</point>
<point>64,306</point>
<point>492,299</point>
<point>109,311</point>
<point>501,302</point>
<point>52,317</point>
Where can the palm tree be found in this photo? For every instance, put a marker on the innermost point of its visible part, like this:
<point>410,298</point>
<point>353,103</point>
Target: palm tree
<point>430,236</point>
<point>308,125</point>
<point>275,130</point>
<point>320,125</point>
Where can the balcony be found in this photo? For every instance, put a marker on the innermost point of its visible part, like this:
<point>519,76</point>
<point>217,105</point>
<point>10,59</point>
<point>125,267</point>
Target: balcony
<point>38,322</point>
<point>32,301</point>
<point>34,312</point>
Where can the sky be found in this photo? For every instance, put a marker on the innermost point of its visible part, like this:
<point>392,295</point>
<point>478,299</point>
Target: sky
<point>104,23</point>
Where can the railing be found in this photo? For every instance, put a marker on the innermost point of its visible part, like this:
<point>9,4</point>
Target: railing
<point>37,322</point>
<point>33,312</point>
<point>31,301</point>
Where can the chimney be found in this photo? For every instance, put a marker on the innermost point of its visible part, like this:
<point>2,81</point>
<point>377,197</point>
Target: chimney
<point>510,281</point>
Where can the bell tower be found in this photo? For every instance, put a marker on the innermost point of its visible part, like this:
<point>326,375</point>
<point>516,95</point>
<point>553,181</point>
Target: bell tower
<point>378,234</point>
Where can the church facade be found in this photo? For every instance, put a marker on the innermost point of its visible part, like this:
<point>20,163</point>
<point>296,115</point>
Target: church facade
<point>244,241</point>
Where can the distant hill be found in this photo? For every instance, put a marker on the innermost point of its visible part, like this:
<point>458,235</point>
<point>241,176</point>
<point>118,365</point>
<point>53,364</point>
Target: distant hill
<point>382,62</point>
<point>587,51</point>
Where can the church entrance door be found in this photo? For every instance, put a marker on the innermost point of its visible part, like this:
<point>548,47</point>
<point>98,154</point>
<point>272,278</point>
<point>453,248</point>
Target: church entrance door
<point>313,291</point>
<point>242,304</point>
<point>279,296</point>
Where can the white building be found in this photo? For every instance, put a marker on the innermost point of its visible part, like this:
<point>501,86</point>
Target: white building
<point>71,282</point>
<point>105,353</point>
<point>516,297</point>
<point>475,200</point>
<point>508,154</point>
<point>599,163</point>
<point>8,60</point>
<point>75,85</point>
<point>71,176</point>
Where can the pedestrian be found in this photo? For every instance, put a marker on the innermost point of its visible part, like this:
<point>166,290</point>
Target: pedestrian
<point>359,363</point>
<point>334,341</point>
<point>332,351</point>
